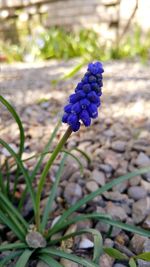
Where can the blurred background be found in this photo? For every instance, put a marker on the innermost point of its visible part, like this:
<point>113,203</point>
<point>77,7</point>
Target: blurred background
<point>62,29</point>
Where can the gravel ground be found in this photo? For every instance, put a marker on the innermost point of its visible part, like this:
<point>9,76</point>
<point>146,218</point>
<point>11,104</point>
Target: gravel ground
<point>117,142</point>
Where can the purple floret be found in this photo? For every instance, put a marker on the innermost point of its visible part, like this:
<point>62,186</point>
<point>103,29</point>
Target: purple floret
<point>83,104</point>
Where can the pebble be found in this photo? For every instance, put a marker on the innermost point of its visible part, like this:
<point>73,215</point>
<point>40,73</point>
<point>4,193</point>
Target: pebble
<point>136,243</point>
<point>121,187</point>
<point>91,186</point>
<point>98,177</point>
<point>146,223</point>
<point>140,210</point>
<point>72,193</point>
<point>106,168</point>
<point>119,265</point>
<point>115,196</point>
<point>106,261</point>
<point>111,159</point>
<point>104,228</point>
<point>135,180</point>
<point>42,264</point>
<point>86,243</point>
<point>147,177</point>
<point>67,263</point>
<point>116,212</point>
<point>137,192</point>
<point>119,145</point>
<point>142,160</point>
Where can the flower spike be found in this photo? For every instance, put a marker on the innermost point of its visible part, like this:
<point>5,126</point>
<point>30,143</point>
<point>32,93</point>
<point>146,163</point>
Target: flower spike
<point>83,104</point>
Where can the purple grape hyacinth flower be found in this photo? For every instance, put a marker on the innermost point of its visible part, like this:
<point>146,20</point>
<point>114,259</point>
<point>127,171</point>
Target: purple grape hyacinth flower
<point>83,104</point>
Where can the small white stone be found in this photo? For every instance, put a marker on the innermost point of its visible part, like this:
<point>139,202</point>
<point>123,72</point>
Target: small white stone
<point>86,243</point>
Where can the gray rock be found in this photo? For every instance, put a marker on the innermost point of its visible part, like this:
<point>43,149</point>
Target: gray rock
<point>111,159</point>
<point>35,240</point>
<point>135,180</point>
<point>140,209</point>
<point>147,176</point>
<point>106,261</point>
<point>67,263</point>
<point>121,187</point>
<point>119,265</point>
<point>72,193</point>
<point>42,264</point>
<point>137,192</point>
<point>91,186</point>
<point>115,196</point>
<point>146,223</point>
<point>108,243</point>
<point>106,168</point>
<point>104,228</point>
<point>116,212</point>
<point>137,243</point>
<point>142,160</point>
<point>99,177</point>
<point>119,145</point>
<point>142,263</point>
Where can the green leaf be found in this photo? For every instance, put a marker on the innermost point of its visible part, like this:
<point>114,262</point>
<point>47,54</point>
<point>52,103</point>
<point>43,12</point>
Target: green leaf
<point>23,170</point>
<point>73,156</point>
<point>18,121</point>
<point>39,163</point>
<point>116,254</point>
<point>132,263</point>
<point>95,216</point>
<point>84,154</point>
<point>50,261</point>
<point>52,195</point>
<point>13,210</point>
<point>12,246</point>
<point>9,257</point>
<point>127,227</point>
<point>6,221</point>
<point>73,71</point>
<point>2,184</point>
<point>61,254</point>
<point>24,258</point>
<point>144,256</point>
<point>100,191</point>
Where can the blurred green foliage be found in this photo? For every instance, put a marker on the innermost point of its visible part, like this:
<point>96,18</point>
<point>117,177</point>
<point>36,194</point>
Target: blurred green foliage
<point>58,43</point>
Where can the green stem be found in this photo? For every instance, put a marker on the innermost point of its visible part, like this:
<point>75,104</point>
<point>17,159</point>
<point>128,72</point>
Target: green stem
<point>45,172</point>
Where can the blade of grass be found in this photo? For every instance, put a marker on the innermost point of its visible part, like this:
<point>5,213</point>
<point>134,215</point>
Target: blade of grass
<point>23,170</point>
<point>61,254</point>
<point>12,246</point>
<point>132,263</point>
<point>49,261</point>
<point>14,220</point>
<point>143,256</point>
<point>18,121</point>
<point>11,256</point>
<point>103,189</point>
<point>45,172</point>
<point>95,216</point>
<point>12,209</point>
<point>24,258</point>
<point>6,221</point>
<point>127,227</point>
<point>116,254</point>
<point>39,163</point>
<point>84,154</point>
<point>2,185</point>
<point>73,156</point>
<point>52,195</point>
